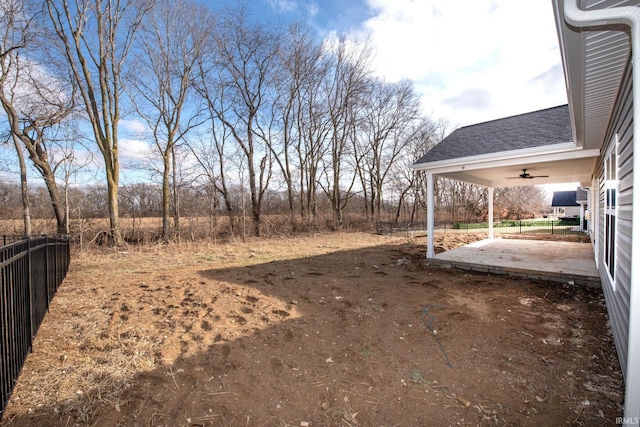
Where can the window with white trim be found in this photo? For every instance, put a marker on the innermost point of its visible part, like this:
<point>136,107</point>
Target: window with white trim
<point>610,210</point>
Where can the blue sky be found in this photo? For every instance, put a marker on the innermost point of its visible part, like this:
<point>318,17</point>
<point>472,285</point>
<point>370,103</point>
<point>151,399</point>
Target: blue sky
<point>471,60</point>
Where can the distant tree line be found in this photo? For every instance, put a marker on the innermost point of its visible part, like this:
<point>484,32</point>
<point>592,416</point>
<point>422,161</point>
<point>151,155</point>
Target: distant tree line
<point>242,119</point>
<point>138,202</point>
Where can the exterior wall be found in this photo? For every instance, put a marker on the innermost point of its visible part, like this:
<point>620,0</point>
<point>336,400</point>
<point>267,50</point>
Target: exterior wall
<point>572,211</point>
<point>617,292</point>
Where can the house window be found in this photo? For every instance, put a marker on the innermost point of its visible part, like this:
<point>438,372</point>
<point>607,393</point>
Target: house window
<point>610,210</point>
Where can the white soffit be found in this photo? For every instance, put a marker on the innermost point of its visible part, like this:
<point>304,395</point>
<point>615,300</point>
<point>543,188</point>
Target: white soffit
<point>595,61</point>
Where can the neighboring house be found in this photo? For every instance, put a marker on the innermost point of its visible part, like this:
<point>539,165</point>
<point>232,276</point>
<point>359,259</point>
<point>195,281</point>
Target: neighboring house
<point>591,141</point>
<point>571,204</point>
<point>564,204</point>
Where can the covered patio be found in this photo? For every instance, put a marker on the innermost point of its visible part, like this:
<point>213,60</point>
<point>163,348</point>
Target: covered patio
<point>559,261</point>
<point>593,141</point>
<point>527,149</point>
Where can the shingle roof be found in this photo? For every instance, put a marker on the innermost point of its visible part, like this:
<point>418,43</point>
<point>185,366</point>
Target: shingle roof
<point>582,195</point>
<point>536,129</point>
<point>564,199</point>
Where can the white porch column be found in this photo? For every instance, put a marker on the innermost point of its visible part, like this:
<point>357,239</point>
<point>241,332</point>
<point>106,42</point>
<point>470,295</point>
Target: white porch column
<point>430,214</point>
<point>490,215</point>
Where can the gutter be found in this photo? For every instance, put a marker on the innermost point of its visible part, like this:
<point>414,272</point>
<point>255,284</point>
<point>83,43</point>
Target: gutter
<point>629,16</point>
<point>481,161</point>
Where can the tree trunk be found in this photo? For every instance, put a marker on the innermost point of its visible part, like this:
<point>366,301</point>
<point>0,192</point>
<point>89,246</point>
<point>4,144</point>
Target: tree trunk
<point>26,213</point>
<point>176,195</point>
<point>56,202</point>
<point>166,212</point>
<point>114,217</point>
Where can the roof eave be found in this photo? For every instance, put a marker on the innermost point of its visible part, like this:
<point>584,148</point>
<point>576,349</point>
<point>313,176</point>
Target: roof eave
<point>503,158</point>
<point>572,52</point>
<point>594,61</point>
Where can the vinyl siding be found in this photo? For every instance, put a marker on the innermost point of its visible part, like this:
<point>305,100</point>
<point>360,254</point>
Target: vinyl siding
<point>618,300</point>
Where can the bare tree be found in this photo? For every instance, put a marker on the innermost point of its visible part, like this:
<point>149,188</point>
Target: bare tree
<point>174,37</point>
<point>297,65</point>
<point>29,129</point>
<point>216,148</point>
<point>410,185</point>
<point>15,37</point>
<point>313,121</point>
<point>96,38</point>
<point>243,73</point>
<point>35,101</point>
<point>10,196</point>
<point>210,153</point>
<point>345,89</point>
<point>519,202</point>
<point>70,165</point>
<point>460,201</point>
<point>388,124</point>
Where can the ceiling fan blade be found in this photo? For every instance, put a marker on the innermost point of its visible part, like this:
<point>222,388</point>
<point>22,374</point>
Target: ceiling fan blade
<point>526,175</point>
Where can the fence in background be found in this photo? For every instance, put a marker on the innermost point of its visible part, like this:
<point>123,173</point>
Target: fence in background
<point>533,226</point>
<point>397,227</point>
<point>32,269</point>
<point>527,226</point>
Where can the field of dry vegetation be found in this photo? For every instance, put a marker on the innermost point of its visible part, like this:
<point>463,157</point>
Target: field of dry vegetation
<point>339,329</point>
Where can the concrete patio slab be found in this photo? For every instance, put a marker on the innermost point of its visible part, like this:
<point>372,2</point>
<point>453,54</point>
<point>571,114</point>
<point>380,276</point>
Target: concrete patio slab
<point>567,262</point>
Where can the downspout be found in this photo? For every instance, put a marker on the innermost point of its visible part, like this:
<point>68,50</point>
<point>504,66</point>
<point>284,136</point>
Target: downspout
<point>630,16</point>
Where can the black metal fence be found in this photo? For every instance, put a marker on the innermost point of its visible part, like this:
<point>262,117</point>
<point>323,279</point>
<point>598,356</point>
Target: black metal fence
<point>533,226</point>
<point>529,226</point>
<point>32,269</point>
<point>398,227</point>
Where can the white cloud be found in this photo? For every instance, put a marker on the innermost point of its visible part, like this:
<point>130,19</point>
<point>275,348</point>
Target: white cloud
<point>133,127</point>
<point>470,98</point>
<point>133,149</point>
<point>283,6</point>
<point>312,9</point>
<point>473,60</point>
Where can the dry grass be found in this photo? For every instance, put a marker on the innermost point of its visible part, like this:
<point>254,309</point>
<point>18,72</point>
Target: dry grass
<point>322,328</point>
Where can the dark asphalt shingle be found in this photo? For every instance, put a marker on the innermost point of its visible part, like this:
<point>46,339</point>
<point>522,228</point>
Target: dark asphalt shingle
<point>564,199</point>
<point>581,195</point>
<point>535,129</point>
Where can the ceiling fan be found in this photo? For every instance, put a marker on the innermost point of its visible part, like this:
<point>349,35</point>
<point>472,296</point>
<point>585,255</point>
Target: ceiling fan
<point>526,175</point>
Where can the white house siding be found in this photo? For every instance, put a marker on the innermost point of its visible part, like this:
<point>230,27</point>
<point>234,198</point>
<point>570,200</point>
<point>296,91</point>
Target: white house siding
<point>572,211</point>
<point>618,299</point>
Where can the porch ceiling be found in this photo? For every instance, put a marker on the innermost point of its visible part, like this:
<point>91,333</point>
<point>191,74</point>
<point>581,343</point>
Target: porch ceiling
<point>563,165</point>
<point>561,171</point>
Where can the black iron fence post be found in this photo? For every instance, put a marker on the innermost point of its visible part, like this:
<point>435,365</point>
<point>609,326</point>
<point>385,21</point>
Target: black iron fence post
<point>31,269</point>
<point>46,268</point>
<point>32,302</point>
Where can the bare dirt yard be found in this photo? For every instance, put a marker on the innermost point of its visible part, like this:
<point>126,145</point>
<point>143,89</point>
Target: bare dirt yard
<point>327,330</point>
